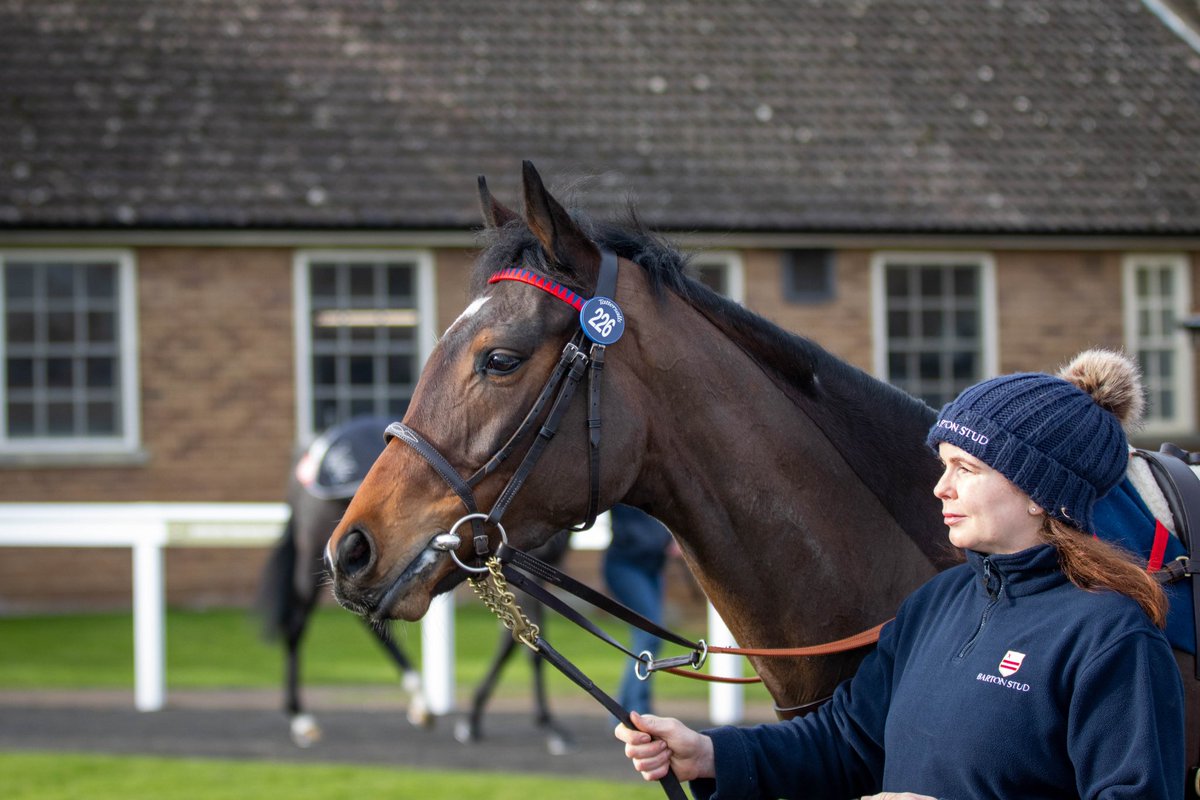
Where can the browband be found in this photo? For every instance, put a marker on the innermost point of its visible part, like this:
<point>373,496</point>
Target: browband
<point>606,285</point>
<point>540,281</point>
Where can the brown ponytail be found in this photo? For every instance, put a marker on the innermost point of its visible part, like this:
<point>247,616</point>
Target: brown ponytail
<point>1092,564</point>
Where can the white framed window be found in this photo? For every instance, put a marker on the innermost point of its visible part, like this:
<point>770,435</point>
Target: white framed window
<point>69,371</point>
<point>721,271</point>
<point>364,326</point>
<point>1158,291</point>
<point>933,321</point>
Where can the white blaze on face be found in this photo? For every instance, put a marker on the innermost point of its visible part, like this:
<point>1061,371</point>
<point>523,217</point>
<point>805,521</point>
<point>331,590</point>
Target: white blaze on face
<point>468,312</point>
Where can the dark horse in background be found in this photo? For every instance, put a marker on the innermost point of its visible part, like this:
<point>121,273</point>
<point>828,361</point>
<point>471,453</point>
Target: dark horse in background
<point>323,479</point>
<point>799,488</point>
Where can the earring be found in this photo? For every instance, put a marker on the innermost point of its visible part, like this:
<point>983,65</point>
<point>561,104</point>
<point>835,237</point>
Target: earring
<point>1034,511</point>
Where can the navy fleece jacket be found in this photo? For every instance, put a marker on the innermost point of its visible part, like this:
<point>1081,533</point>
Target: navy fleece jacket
<point>997,679</point>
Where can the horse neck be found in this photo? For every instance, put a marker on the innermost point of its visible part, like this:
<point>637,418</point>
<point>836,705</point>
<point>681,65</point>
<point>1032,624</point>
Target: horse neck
<point>789,536</point>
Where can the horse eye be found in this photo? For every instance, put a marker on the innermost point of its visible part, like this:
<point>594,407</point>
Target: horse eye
<point>500,363</point>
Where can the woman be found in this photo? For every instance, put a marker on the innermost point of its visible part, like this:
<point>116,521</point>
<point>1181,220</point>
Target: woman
<point>1037,669</point>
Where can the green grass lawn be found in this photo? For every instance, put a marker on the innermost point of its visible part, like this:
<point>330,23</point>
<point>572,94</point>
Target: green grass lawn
<point>60,776</point>
<point>221,648</point>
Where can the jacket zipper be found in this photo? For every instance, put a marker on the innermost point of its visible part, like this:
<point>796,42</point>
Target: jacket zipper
<point>987,610</point>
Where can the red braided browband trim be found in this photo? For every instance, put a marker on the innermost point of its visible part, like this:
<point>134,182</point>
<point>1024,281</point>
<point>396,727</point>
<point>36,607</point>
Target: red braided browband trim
<point>545,284</point>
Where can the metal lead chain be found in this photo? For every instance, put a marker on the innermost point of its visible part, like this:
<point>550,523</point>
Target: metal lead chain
<point>493,590</point>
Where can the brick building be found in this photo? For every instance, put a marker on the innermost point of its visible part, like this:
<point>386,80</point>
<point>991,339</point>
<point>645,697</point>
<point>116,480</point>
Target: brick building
<point>225,225</point>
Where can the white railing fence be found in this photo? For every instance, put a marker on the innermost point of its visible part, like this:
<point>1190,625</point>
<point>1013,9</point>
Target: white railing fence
<point>146,528</point>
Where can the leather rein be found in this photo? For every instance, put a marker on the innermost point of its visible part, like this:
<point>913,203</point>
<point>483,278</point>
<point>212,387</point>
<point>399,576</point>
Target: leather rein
<point>492,573</point>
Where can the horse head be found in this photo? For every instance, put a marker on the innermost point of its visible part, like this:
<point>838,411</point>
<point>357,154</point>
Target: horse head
<point>389,555</point>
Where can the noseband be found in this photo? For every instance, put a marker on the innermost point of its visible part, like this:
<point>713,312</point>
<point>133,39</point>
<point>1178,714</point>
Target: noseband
<point>596,332</point>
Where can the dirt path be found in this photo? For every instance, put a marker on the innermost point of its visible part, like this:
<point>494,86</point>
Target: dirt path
<point>359,726</point>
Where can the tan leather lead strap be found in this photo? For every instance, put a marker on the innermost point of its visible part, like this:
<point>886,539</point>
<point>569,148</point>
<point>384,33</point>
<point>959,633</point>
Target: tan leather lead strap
<point>867,637</point>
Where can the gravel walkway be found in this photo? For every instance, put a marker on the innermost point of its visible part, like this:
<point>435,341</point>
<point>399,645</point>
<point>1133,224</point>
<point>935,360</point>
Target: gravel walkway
<point>358,727</point>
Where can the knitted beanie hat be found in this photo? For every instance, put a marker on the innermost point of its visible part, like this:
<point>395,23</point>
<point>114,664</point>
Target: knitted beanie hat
<point>1061,440</point>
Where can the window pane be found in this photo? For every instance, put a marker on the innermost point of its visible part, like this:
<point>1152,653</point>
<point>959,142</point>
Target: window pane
<point>400,287</point>
<point>1166,403</point>
<point>325,370</point>
<point>18,283</point>
<point>965,282</point>
<point>100,373</point>
<point>59,373</point>
<point>20,420</point>
<point>324,283</point>
<point>362,370</point>
<point>929,366</point>
<point>20,373</point>
<point>966,324</point>
<point>102,419</point>
<point>897,323</point>
<point>931,282</point>
<point>20,327</point>
<point>60,419</point>
<point>897,282</point>
<point>101,326</point>
<point>931,324</point>
<point>60,282</point>
<point>101,282</point>
<point>362,284</point>
<point>964,368</point>
<point>898,367</point>
<point>400,369</point>
<point>60,327</point>
<point>1166,283</point>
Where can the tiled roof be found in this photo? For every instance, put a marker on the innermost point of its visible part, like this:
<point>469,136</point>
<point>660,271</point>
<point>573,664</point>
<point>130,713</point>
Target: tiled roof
<point>1053,116</point>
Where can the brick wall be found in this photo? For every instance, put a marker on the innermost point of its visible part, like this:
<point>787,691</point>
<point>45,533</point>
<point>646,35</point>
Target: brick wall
<point>1053,305</point>
<point>841,325</point>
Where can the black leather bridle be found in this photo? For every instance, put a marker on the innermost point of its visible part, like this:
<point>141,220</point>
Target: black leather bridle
<point>573,363</point>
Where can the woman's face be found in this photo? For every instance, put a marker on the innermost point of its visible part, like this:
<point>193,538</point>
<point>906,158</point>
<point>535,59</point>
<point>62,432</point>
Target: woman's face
<point>984,511</point>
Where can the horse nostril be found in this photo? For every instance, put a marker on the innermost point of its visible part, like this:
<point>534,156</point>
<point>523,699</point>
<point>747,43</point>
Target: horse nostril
<point>354,553</point>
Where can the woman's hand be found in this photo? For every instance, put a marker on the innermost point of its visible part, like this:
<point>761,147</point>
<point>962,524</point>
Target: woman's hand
<point>662,742</point>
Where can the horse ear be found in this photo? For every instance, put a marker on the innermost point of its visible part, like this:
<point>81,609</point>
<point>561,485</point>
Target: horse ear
<point>560,236</point>
<point>495,215</point>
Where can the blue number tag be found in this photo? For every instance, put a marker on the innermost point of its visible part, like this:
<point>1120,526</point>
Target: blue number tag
<point>602,320</point>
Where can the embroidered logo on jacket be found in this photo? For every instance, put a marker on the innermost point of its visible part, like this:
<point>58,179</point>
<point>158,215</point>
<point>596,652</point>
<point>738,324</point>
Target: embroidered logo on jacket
<point>1011,662</point>
<point>1008,666</point>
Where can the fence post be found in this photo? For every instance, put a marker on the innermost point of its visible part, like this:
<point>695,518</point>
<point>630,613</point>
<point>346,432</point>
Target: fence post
<point>149,620</point>
<point>437,654</point>
<point>725,700</point>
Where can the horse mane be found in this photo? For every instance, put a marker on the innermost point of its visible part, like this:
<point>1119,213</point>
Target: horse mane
<point>794,362</point>
<point>841,400</point>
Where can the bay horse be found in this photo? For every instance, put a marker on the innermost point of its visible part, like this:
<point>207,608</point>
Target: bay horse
<point>799,488</point>
<point>322,480</point>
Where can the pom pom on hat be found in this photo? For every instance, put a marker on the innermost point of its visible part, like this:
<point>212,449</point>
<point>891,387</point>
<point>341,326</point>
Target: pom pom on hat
<point>1113,380</point>
<point>1061,440</point>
